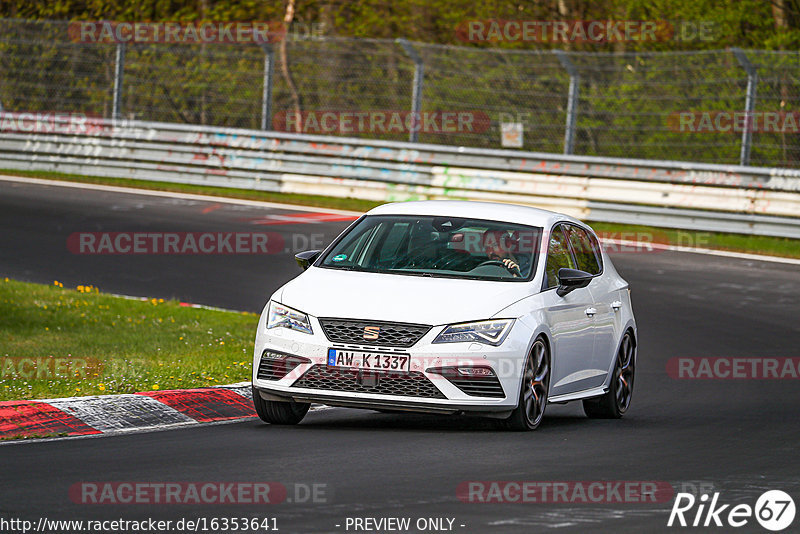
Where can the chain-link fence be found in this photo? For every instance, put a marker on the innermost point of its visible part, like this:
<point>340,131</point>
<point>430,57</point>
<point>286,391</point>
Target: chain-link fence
<point>677,105</point>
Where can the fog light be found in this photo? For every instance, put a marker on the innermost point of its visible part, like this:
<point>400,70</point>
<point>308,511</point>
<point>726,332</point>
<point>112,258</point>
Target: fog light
<point>274,355</point>
<point>466,371</point>
<point>478,372</point>
<point>276,365</point>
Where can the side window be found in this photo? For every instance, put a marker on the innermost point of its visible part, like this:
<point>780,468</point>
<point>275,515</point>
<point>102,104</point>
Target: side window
<point>558,256</point>
<point>585,249</point>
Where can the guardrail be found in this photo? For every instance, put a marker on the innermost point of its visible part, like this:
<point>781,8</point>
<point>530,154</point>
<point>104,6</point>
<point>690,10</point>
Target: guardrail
<point>748,200</point>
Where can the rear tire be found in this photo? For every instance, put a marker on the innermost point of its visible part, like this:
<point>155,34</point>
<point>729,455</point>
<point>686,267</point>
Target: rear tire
<point>617,400</point>
<point>279,413</point>
<point>534,390</point>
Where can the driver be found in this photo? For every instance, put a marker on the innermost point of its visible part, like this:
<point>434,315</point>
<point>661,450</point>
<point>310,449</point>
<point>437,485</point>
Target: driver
<point>498,246</point>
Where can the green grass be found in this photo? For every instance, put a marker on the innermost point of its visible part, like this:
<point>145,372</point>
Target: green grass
<point>60,342</point>
<point>21,437</point>
<point>777,246</point>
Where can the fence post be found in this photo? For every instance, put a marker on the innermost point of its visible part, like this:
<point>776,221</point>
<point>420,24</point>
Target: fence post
<point>416,93</point>
<point>266,94</point>
<point>749,104</point>
<point>118,70</point>
<point>572,100</point>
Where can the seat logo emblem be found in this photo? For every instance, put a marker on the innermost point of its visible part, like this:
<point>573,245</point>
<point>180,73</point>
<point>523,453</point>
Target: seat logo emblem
<point>371,332</point>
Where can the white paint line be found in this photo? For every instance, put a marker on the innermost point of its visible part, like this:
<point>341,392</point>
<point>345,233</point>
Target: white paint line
<point>706,251</point>
<point>245,384</point>
<point>172,194</point>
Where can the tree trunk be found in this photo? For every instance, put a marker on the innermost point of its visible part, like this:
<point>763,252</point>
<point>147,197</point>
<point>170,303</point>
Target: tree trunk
<point>287,75</point>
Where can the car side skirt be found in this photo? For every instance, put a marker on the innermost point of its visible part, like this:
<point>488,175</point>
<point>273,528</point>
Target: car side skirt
<point>579,395</point>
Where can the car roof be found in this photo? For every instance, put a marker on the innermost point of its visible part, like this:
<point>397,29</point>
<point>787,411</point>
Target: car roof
<point>493,211</point>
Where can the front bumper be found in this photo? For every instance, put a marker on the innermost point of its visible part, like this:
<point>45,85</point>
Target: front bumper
<point>440,393</point>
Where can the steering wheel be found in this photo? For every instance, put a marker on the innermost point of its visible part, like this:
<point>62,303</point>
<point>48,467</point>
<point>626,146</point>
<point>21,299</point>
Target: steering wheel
<point>491,262</point>
<point>499,264</point>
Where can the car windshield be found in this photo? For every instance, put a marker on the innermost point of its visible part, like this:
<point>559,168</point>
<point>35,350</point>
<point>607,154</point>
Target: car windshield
<point>437,246</point>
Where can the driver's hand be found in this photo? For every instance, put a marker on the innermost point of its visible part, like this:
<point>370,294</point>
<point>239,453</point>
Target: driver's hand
<point>511,265</point>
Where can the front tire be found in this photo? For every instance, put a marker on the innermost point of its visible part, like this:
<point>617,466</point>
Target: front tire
<point>279,413</point>
<point>534,391</point>
<point>616,402</point>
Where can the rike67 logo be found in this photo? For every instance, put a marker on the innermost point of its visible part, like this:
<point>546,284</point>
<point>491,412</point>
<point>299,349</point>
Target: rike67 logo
<point>774,510</point>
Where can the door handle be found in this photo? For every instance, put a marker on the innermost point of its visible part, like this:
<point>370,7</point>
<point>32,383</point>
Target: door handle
<point>590,312</point>
<point>616,305</point>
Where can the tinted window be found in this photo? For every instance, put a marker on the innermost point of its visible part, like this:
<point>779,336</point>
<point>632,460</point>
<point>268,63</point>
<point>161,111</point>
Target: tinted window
<point>437,246</point>
<point>558,256</point>
<point>585,249</point>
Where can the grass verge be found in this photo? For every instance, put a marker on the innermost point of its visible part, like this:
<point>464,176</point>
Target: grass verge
<point>776,246</point>
<point>60,342</point>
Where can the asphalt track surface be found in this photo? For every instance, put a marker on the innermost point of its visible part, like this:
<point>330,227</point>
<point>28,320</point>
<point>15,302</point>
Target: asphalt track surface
<point>739,437</point>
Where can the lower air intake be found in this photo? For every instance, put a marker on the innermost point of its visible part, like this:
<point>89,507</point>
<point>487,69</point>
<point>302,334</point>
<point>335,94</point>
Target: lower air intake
<point>413,384</point>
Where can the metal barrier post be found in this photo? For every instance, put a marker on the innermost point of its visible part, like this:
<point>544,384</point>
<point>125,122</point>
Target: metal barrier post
<point>266,94</point>
<point>572,100</point>
<point>416,93</point>
<point>749,104</point>
<point>118,71</point>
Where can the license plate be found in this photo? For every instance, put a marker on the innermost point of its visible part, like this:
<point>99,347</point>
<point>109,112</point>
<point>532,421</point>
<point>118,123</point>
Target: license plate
<point>377,361</point>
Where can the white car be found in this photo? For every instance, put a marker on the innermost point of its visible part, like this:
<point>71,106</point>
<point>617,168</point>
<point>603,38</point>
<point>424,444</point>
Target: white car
<point>450,307</point>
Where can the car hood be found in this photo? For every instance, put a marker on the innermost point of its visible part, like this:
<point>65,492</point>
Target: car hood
<point>400,298</point>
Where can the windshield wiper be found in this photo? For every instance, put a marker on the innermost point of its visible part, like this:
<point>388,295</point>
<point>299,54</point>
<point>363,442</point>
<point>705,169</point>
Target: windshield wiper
<point>410,273</point>
<point>343,267</point>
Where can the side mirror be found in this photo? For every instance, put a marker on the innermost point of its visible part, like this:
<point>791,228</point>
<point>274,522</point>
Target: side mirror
<point>569,279</point>
<point>306,258</point>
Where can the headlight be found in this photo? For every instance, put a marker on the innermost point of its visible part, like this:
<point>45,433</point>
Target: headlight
<point>279,315</point>
<point>491,332</point>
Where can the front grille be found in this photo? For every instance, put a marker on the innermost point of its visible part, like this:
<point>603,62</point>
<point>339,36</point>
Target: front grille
<point>388,334</point>
<point>479,387</point>
<point>413,384</point>
<point>278,366</point>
